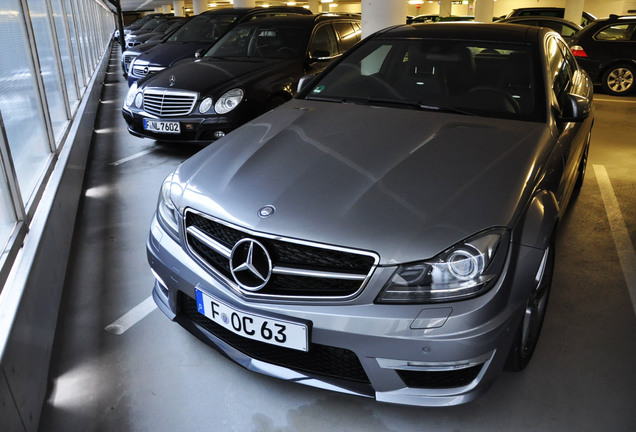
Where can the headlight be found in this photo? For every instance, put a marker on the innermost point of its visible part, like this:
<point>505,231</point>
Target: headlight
<point>132,92</point>
<point>228,101</point>
<point>464,270</point>
<point>167,211</point>
<point>205,106</point>
<point>139,99</point>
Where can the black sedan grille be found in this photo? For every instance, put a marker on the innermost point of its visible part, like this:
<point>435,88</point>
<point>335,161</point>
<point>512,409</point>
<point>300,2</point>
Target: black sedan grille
<point>317,271</point>
<point>320,359</point>
<point>165,103</point>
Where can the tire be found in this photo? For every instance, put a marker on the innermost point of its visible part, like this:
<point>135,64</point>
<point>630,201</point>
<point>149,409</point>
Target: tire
<point>619,80</point>
<point>582,165</point>
<point>533,315</point>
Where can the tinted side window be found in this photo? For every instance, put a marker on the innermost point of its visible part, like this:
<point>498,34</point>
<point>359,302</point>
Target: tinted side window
<point>347,35</point>
<point>619,32</point>
<point>324,40</point>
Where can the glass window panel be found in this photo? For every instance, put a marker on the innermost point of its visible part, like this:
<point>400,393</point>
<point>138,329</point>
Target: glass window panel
<point>65,51</point>
<point>74,43</point>
<point>7,214</point>
<point>48,65</point>
<point>19,101</point>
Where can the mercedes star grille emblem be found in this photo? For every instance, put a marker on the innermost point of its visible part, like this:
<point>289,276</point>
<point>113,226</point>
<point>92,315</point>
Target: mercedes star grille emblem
<point>250,264</point>
<point>172,80</point>
<point>146,70</point>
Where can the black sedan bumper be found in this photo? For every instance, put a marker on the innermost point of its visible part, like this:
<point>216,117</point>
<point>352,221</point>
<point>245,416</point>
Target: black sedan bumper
<point>192,129</point>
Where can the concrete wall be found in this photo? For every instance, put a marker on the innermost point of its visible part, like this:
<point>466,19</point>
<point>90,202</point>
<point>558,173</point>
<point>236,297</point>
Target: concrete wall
<point>31,297</point>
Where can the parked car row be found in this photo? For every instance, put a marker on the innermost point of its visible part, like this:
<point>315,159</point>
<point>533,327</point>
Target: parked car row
<point>390,231</point>
<point>254,67</point>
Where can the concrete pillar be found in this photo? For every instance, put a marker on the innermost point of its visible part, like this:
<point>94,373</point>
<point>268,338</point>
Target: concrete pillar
<point>199,6</point>
<point>158,9</point>
<point>445,8</point>
<point>378,14</point>
<point>179,8</point>
<point>484,10</point>
<point>574,10</point>
<point>315,6</point>
<point>244,3</point>
<point>166,8</point>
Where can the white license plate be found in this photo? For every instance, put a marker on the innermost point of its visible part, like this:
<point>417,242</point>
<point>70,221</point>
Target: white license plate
<point>269,330</point>
<point>158,126</point>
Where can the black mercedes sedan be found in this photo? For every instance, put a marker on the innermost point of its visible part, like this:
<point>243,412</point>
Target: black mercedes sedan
<point>200,33</point>
<point>606,49</point>
<point>255,67</point>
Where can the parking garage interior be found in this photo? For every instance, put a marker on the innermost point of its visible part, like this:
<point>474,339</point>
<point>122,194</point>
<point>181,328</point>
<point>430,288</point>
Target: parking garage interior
<point>83,346</point>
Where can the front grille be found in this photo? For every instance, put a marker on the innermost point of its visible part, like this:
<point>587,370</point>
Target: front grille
<point>143,70</point>
<point>439,379</point>
<point>335,266</point>
<point>319,360</point>
<point>163,102</point>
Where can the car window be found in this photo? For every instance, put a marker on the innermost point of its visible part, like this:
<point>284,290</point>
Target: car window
<point>347,34</point>
<point>481,78</point>
<point>260,41</point>
<point>324,40</point>
<point>617,32</point>
<point>563,29</point>
<point>203,28</point>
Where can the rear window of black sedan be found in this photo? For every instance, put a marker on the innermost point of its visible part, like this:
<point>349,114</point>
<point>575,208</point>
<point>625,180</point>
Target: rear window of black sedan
<point>489,79</point>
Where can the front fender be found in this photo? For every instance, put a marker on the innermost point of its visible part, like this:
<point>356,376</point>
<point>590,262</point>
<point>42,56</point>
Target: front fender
<point>539,221</point>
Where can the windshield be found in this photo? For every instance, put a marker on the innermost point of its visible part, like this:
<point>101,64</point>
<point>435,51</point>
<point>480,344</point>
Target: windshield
<point>280,41</point>
<point>203,28</point>
<point>478,78</point>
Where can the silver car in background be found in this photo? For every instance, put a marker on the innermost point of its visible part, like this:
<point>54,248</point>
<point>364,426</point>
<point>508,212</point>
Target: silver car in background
<point>390,232</point>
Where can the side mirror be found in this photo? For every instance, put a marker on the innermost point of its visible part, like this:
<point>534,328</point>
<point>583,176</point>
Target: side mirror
<point>304,82</point>
<point>575,108</point>
<point>320,55</point>
<point>199,53</point>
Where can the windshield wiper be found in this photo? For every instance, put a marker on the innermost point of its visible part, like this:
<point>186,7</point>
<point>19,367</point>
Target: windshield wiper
<point>391,102</point>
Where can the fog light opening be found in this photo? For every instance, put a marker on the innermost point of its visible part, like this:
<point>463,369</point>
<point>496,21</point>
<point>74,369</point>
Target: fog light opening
<point>219,134</point>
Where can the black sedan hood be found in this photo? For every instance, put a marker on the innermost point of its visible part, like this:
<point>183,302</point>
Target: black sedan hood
<point>167,53</point>
<point>208,76</point>
<point>406,184</point>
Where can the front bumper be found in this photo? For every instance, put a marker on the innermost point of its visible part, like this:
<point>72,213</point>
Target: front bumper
<point>199,129</point>
<point>426,355</point>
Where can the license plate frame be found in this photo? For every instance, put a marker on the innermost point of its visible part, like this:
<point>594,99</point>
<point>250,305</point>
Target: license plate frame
<point>273,331</point>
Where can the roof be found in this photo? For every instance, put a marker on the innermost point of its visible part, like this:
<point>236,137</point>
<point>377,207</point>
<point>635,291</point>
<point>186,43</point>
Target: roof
<point>513,33</point>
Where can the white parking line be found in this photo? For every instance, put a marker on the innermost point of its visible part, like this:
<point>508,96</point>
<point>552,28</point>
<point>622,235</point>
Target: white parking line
<point>129,158</point>
<point>622,239</point>
<point>132,317</point>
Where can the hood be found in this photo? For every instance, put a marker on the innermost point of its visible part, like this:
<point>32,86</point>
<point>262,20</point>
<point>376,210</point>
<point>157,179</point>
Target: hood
<point>165,54</point>
<point>206,76</point>
<point>405,184</point>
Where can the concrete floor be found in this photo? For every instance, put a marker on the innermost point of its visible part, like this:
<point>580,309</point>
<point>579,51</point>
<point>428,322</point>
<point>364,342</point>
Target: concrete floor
<point>157,377</point>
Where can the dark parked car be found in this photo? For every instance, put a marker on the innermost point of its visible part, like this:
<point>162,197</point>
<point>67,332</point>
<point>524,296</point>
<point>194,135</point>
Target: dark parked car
<point>390,232</point>
<point>199,34</point>
<point>563,27</point>
<point>158,33</point>
<point>139,23</point>
<point>606,49</point>
<point>586,17</point>
<point>255,67</point>
<point>149,27</point>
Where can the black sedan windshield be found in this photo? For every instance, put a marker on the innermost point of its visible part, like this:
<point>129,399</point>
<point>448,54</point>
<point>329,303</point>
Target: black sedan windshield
<point>481,78</point>
<point>280,41</point>
<point>203,29</point>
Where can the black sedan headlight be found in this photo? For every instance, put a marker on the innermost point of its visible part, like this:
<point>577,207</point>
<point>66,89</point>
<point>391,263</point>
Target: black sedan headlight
<point>464,270</point>
<point>134,98</point>
<point>228,101</point>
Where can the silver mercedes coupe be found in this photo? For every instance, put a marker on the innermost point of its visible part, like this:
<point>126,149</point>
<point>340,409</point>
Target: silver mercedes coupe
<point>390,232</point>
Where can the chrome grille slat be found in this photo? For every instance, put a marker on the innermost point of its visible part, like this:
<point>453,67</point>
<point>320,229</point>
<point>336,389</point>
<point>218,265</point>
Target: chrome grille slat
<point>166,102</point>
